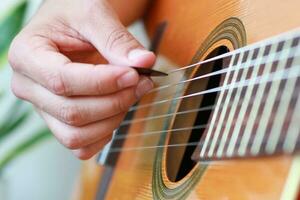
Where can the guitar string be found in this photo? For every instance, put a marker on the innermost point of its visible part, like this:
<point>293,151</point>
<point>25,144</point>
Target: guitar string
<point>154,116</point>
<point>207,108</point>
<point>173,71</point>
<point>284,36</point>
<point>259,44</point>
<point>128,122</point>
<point>270,41</point>
<point>217,89</point>
<point>149,133</point>
<point>187,144</point>
<point>275,76</point>
<point>116,150</point>
<point>136,135</point>
<point>226,69</point>
<point>134,108</point>
<point>139,148</point>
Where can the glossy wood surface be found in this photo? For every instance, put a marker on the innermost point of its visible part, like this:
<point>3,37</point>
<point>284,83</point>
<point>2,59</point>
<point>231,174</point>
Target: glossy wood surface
<point>189,23</point>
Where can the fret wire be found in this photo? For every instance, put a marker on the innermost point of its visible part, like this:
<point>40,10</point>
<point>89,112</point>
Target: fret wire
<point>262,94</point>
<point>252,112</point>
<point>293,136</point>
<point>223,113</point>
<point>293,133</point>
<point>267,108</point>
<point>282,108</point>
<point>263,91</point>
<point>246,108</point>
<point>216,114</point>
<point>239,115</point>
<point>272,107</point>
<point>266,90</point>
<point>291,114</point>
<point>141,106</point>
<point>233,112</point>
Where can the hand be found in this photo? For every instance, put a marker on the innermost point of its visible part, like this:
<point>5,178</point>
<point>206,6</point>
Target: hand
<point>56,61</point>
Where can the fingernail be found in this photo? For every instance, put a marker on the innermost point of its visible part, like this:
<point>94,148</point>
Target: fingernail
<point>136,54</point>
<point>129,79</point>
<point>144,86</point>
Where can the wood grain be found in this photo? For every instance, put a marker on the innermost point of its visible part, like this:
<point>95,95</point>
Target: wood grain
<point>189,24</point>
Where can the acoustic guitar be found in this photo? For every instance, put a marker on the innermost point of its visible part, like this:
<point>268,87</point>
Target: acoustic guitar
<point>225,122</point>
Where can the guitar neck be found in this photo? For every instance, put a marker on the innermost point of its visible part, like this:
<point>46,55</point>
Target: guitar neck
<point>257,108</point>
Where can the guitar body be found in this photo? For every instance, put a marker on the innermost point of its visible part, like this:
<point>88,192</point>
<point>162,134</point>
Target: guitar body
<point>195,28</point>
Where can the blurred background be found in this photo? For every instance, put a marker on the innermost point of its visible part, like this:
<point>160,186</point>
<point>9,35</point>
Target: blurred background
<point>33,165</point>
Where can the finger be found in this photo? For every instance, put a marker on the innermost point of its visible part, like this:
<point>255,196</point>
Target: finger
<point>90,150</point>
<point>57,73</point>
<point>78,111</point>
<point>79,137</point>
<point>105,31</point>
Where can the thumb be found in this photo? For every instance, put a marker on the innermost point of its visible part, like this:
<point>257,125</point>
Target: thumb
<point>109,36</point>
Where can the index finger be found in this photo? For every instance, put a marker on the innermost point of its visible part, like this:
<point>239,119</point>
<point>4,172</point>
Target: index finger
<point>57,73</point>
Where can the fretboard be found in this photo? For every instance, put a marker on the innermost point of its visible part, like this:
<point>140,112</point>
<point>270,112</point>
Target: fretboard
<point>258,110</point>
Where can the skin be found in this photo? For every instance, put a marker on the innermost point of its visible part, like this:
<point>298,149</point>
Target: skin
<point>71,62</point>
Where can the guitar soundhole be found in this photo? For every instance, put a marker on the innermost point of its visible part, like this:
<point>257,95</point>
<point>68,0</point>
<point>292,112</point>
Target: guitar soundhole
<point>178,159</point>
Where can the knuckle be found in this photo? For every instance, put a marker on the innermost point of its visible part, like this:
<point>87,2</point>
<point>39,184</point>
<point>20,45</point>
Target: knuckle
<point>13,53</point>
<point>118,37</point>
<point>56,84</point>
<point>16,89</point>
<point>71,115</point>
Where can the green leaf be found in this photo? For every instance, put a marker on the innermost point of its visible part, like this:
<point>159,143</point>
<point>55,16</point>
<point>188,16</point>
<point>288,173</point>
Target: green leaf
<point>10,26</point>
<point>13,119</point>
<point>23,147</point>
<point>6,129</point>
<point>3,59</point>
